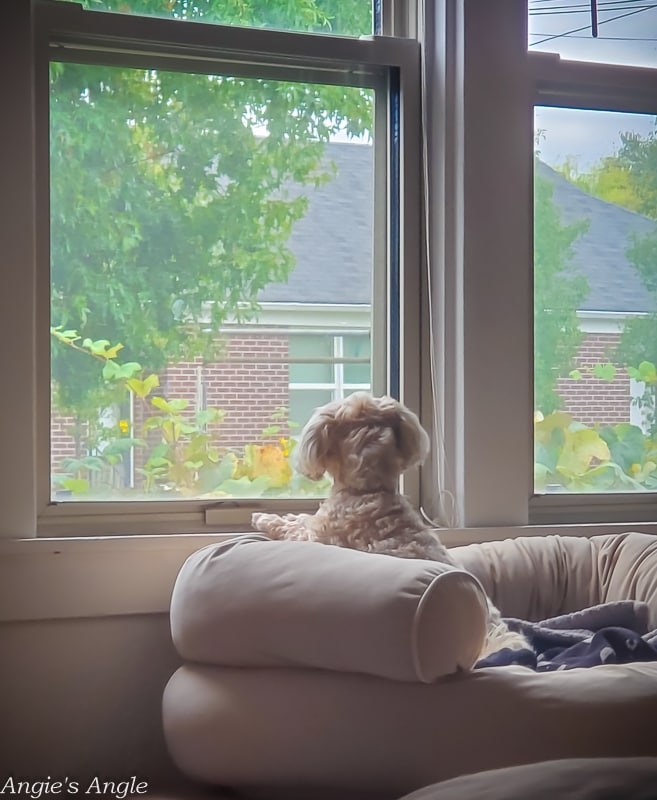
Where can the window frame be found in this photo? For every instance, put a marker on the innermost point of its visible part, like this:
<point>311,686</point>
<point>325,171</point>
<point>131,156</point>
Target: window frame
<point>561,83</point>
<point>485,332</point>
<point>33,28</point>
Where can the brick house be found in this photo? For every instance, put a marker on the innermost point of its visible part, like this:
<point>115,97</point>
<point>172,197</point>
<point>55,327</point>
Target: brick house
<point>616,293</point>
<point>311,339</point>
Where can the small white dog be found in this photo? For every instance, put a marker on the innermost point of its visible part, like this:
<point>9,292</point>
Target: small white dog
<point>365,443</point>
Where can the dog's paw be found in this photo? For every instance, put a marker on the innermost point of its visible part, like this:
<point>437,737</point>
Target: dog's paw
<point>256,520</point>
<point>264,522</point>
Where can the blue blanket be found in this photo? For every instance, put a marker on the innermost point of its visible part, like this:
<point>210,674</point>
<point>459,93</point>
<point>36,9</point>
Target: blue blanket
<point>611,633</point>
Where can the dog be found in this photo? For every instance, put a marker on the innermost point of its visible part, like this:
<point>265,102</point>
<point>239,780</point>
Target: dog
<point>365,443</point>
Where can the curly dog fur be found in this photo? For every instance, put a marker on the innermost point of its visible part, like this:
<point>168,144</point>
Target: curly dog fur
<point>365,443</point>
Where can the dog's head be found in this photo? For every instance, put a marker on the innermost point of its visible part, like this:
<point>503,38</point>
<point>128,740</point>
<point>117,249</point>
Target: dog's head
<point>363,442</point>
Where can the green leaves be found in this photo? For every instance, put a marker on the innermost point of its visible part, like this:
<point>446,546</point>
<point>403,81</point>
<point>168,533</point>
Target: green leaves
<point>142,388</point>
<point>572,457</point>
<point>170,210</point>
<point>558,293</point>
<point>645,372</point>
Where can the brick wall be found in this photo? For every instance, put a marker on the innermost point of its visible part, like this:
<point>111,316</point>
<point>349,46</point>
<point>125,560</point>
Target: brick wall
<point>249,386</point>
<point>62,443</point>
<point>591,400</point>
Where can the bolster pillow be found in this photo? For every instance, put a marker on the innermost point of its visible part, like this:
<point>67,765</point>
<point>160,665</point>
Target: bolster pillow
<point>254,602</point>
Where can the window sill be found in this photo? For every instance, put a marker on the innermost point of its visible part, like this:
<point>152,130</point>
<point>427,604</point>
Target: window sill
<point>73,578</point>
<point>92,577</point>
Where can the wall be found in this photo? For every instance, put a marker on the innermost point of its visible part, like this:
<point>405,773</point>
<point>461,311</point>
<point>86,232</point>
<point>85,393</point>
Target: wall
<point>591,400</point>
<point>85,655</point>
<point>250,390</point>
<point>81,699</point>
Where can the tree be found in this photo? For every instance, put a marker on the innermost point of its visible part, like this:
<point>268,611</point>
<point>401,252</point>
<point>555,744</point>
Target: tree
<point>173,194</point>
<point>558,292</point>
<point>629,179</point>
<point>609,180</point>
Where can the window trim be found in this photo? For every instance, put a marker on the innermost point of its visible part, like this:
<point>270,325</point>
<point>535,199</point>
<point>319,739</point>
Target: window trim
<point>483,331</point>
<point>33,514</point>
<point>561,83</point>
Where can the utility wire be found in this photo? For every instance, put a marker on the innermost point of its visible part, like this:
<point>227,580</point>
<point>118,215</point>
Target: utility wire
<point>601,3</point>
<point>587,10</point>
<point>609,38</point>
<point>586,27</point>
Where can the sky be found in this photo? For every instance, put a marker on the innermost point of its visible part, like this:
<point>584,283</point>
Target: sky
<point>627,34</point>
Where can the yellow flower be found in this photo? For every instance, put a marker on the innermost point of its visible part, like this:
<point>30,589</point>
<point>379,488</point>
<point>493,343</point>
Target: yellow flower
<point>124,425</point>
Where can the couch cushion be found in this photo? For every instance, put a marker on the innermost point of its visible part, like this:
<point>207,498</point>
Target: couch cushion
<point>536,577</point>
<point>291,728</point>
<point>258,603</point>
<point>568,779</point>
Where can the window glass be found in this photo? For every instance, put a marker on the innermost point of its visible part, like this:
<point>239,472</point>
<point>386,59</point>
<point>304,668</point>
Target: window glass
<point>603,31</point>
<point>595,315</point>
<point>357,347</point>
<point>184,209</point>
<point>352,18</point>
<point>308,347</point>
<point>304,401</point>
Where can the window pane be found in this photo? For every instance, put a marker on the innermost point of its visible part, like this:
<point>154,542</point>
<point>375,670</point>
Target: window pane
<point>304,401</point>
<point>595,272</point>
<point>195,221</point>
<point>350,18</point>
<point>357,347</point>
<point>310,346</point>
<point>626,31</point>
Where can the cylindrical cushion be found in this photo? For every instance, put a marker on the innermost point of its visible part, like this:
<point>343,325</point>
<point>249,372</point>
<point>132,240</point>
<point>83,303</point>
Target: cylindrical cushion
<point>259,603</point>
<point>537,577</point>
<point>296,728</point>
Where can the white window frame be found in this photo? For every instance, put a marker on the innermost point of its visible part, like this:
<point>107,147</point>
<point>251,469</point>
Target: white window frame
<point>27,31</point>
<point>606,87</point>
<point>485,335</point>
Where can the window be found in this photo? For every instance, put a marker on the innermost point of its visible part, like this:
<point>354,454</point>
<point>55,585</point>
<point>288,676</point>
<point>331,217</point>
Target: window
<point>595,224</point>
<point>460,336</point>
<point>594,310</point>
<point>488,350</point>
<point>605,32</point>
<point>342,367</point>
<point>342,19</point>
<point>209,188</point>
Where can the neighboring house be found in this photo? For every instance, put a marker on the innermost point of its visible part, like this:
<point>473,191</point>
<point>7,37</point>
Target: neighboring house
<point>322,312</point>
<point>616,293</point>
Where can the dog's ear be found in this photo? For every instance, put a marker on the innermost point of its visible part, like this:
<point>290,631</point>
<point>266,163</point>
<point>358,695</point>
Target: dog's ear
<point>412,440</point>
<point>313,447</point>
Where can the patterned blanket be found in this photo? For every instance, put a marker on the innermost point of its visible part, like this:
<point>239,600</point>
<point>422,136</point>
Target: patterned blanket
<point>611,633</point>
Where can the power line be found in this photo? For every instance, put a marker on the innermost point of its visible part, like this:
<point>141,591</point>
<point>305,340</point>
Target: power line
<point>609,38</point>
<point>586,27</point>
<point>601,3</point>
<point>583,10</point>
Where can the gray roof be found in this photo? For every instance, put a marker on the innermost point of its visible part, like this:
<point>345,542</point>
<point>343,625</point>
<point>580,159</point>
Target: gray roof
<point>333,242</point>
<point>600,253</point>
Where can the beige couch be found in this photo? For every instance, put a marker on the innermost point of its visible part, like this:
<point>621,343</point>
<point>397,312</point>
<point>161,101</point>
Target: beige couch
<point>291,700</point>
